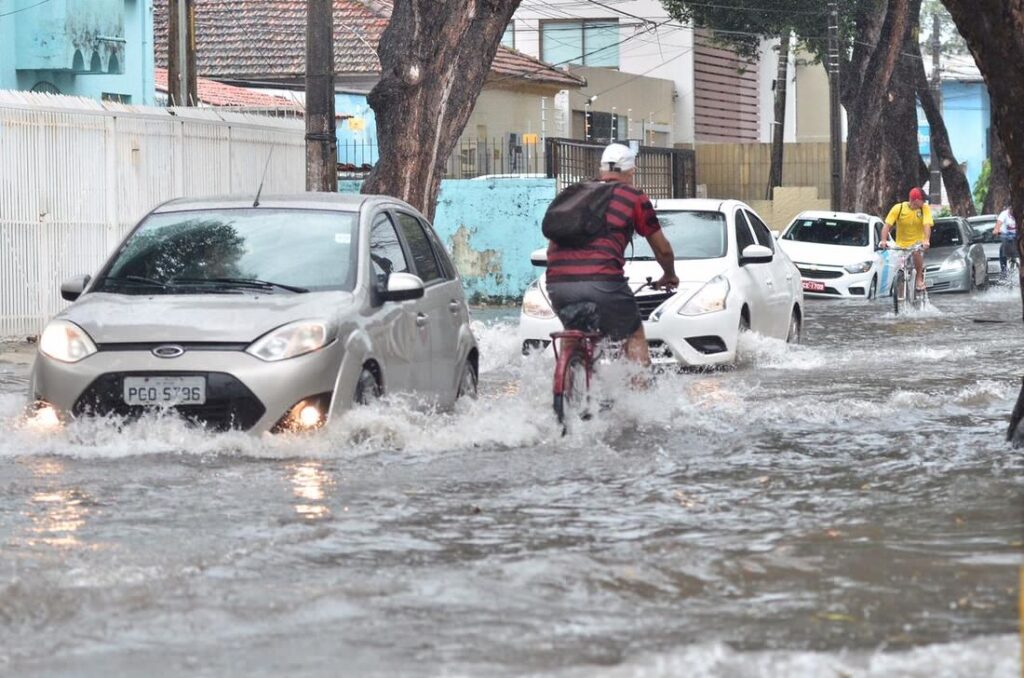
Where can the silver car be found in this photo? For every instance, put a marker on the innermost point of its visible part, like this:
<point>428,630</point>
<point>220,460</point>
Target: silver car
<point>983,226</point>
<point>273,317</point>
<point>956,260</point>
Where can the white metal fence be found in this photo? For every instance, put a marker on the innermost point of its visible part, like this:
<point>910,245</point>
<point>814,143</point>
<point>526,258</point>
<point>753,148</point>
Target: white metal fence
<point>77,174</point>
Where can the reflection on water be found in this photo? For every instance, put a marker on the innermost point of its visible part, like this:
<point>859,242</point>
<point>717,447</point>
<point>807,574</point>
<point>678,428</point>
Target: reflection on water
<point>310,483</point>
<point>56,514</point>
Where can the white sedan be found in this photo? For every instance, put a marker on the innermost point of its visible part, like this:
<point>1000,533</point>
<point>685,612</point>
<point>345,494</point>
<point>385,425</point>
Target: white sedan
<point>732,278</point>
<point>837,254</point>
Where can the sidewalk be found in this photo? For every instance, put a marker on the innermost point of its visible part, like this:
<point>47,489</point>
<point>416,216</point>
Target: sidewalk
<point>17,352</point>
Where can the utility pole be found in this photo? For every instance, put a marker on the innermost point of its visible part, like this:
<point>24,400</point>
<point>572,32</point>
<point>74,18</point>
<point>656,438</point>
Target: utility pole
<point>935,177</point>
<point>779,133</point>
<point>835,110</point>
<point>321,139</point>
<point>181,53</point>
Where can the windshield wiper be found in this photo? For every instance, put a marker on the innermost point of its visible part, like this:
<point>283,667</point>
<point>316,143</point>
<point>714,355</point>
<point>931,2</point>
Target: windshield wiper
<point>136,280</point>
<point>241,282</point>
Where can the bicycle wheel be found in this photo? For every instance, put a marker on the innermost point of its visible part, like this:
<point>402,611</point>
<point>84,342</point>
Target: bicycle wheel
<point>899,290</point>
<point>571,403</point>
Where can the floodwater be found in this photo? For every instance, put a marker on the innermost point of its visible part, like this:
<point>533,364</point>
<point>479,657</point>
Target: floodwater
<point>845,507</point>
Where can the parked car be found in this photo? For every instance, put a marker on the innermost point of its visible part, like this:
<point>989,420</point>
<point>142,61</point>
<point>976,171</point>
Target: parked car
<point>733,278</point>
<point>836,253</point>
<point>983,226</point>
<point>264,318</point>
<point>956,261</point>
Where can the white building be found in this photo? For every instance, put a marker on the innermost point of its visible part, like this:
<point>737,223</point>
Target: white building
<point>649,77</point>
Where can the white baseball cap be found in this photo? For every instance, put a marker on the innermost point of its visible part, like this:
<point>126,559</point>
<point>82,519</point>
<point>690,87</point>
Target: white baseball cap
<point>618,158</point>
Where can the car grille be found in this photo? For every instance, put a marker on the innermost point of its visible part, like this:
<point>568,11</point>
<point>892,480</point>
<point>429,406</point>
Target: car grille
<point>707,345</point>
<point>649,303</point>
<point>819,274</point>
<point>229,404</point>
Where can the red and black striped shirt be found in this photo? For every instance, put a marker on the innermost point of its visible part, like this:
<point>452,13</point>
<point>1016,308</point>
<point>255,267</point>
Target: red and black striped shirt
<point>604,258</point>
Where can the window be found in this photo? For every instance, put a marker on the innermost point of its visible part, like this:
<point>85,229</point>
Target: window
<point>420,248</point>
<point>761,231</point>
<point>447,267</point>
<point>508,38</point>
<point>878,231</point>
<point>386,250</point>
<point>839,232</point>
<point>743,235</point>
<point>592,42</point>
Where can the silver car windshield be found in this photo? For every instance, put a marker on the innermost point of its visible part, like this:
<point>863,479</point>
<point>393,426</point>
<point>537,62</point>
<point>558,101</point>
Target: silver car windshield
<point>286,250</point>
<point>693,235</point>
<point>829,232</point>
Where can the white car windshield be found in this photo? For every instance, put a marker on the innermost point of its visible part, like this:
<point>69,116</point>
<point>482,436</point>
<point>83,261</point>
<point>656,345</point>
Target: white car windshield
<point>693,235</point>
<point>829,232</point>
<point>287,250</point>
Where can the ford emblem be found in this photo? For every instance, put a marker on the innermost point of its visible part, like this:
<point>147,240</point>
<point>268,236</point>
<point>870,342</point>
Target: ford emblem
<point>168,351</point>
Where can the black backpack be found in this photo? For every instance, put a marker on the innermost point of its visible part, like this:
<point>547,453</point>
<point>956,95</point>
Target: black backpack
<point>577,215</point>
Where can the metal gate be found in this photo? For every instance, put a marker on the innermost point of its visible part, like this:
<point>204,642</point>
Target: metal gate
<point>660,172</point>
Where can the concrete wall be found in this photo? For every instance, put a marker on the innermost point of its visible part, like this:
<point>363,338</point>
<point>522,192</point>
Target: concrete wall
<point>135,82</point>
<point>740,171</point>
<point>789,202</point>
<point>490,228</point>
<point>812,109</point>
<point>646,103</point>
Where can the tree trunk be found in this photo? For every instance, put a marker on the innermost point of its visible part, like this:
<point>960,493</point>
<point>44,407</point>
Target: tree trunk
<point>872,166</point>
<point>435,57</point>
<point>998,196</point>
<point>958,189</point>
<point>994,30</point>
<point>779,133</point>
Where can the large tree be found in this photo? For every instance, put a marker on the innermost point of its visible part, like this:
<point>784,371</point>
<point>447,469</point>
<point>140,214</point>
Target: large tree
<point>435,56</point>
<point>994,31</point>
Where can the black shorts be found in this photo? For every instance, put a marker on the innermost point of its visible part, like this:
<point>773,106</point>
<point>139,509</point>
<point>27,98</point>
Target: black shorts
<point>589,305</point>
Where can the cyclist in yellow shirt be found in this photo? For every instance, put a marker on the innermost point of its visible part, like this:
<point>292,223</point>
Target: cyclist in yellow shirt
<point>913,222</point>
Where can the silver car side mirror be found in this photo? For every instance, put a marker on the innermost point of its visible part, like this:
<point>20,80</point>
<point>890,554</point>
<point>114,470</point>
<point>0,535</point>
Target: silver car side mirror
<point>756,254</point>
<point>72,288</point>
<point>539,257</point>
<point>403,287</point>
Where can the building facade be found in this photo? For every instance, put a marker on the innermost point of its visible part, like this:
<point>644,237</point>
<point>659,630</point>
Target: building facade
<point>101,49</point>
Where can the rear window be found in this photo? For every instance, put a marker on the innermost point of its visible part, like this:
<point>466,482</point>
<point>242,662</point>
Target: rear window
<point>829,232</point>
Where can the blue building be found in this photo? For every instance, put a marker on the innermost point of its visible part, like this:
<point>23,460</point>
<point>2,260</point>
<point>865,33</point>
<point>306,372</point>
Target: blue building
<point>101,49</point>
<point>967,111</point>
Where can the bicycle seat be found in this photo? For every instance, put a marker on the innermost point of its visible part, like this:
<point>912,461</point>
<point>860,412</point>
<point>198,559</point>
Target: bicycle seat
<point>582,316</point>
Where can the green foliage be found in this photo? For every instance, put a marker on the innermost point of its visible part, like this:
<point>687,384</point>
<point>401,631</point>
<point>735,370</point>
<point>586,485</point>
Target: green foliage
<point>949,37</point>
<point>981,186</point>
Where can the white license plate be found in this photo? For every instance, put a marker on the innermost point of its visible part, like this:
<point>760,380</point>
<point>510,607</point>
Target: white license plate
<point>165,391</point>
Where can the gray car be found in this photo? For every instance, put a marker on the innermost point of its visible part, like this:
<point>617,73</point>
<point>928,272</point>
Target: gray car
<point>956,260</point>
<point>983,226</point>
<point>273,317</point>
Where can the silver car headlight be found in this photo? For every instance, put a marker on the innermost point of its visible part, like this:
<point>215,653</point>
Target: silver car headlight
<point>708,299</point>
<point>535,304</point>
<point>291,340</point>
<point>862,267</point>
<point>954,263</point>
<point>66,342</point>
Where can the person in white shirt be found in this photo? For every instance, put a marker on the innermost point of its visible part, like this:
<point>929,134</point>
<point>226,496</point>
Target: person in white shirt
<point>1006,229</point>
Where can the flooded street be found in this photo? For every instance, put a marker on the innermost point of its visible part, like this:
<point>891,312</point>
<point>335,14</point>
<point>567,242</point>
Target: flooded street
<point>844,507</point>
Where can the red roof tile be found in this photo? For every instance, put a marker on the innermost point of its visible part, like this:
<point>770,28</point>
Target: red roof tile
<point>218,94</point>
<point>266,40</point>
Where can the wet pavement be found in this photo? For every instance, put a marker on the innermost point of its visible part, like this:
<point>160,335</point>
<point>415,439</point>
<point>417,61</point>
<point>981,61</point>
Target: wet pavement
<point>845,507</point>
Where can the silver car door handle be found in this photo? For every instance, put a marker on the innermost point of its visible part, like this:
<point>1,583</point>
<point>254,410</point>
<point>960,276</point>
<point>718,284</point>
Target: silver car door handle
<point>422,319</point>
<point>454,306</point>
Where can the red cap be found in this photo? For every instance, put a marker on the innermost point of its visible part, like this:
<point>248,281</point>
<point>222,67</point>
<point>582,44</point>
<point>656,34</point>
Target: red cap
<point>916,194</point>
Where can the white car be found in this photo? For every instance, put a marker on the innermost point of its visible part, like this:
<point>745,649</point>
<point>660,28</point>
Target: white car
<point>837,254</point>
<point>732,278</point>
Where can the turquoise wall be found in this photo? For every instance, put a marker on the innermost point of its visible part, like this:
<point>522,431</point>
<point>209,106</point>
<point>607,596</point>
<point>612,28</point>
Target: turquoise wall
<point>32,24</point>
<point>357,136</point>
<point>967,112</point>
<point>490,227</point>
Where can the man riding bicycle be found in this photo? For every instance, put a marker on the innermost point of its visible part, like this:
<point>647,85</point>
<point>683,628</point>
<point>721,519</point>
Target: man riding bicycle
<point>913,222</point>
<point>1006,229</point>
<point>595,271</point>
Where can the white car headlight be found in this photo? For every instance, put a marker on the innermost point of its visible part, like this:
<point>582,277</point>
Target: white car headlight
<point>954,263</point>
<point>708,299</point>
<point>66,342</point>
<point>862,267</point>
<point>289,341</point>
<point>535,304</point>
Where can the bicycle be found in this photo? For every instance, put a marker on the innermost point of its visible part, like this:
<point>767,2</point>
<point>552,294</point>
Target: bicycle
<point>1008,251</point>
<point>576,360</point>
<point>904,288</point>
